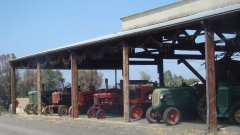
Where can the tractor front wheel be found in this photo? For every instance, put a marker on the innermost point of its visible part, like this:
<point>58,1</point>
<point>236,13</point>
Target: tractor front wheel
<point>29,109</point>
<point>235,114</point>
<point>136,111</point>
<point>48,110</point>
<point>171,116</point>
<point>151,116</point>
<point>62,110</point>
<point>91,113</point>
<point>101,114</point>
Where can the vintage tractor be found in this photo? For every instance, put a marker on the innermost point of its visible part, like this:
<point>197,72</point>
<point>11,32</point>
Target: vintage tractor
<point>85,100</point>
<point>31,107</point>
<point>170,104</point>
<point>111,100</point>
<point>140,97</point>
<point>61,100</point>
<point>228,91</point>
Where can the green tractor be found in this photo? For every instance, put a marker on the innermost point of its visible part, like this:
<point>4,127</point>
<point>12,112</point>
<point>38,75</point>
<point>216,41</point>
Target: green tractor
<point>228,103</point>
<point>171,104</point>
<point>31,107</point>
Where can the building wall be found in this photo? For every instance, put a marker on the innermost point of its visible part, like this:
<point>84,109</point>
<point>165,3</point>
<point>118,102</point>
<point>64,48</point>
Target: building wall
<point>173,11</point>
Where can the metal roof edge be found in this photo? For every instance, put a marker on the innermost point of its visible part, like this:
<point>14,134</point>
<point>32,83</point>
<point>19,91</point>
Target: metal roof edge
<point>195,17</point>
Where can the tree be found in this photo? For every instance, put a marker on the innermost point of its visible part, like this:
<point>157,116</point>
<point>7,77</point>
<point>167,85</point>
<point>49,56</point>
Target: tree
<point>52,79</point>
<point>144,76</point>
<point>26,83</point>
<point>89,79</point>
<point>5,79</point>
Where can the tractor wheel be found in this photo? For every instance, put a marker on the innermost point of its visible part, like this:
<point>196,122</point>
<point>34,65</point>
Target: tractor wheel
<point>70,111</point>
<point>62,110</point>
<point>151,116</point>
<point>91,113</point>
<point>101,114</point>
<point>202,108</point>
<point>29,109</point>
<point>235,114</point>
<point>171,116</point>
<point>136,111</point>
<point>48,110</point>
<point>35,107</point>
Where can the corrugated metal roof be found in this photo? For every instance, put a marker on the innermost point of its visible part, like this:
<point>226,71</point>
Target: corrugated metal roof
<point>120,35</point>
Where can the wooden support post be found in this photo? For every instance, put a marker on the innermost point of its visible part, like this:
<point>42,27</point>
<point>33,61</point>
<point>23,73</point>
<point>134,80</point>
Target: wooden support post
<point>210,82</point>
<point>39,99</point>
<point>161,72</point>
<point>74,89</point>
<point>13,89</point>
<point>115,78</point>
<point>125,84</point>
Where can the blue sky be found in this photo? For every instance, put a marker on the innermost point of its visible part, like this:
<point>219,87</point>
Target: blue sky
<point>30,26</point>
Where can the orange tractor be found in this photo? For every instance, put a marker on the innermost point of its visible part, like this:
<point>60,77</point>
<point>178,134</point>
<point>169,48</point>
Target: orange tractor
<point>140,97</point>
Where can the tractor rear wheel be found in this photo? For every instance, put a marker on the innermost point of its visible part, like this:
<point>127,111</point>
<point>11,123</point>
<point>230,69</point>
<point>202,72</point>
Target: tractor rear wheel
<point>101,114</point>
<point>35,107</point>
<point>29,109</point>
<point>202,108</point>
<point>62,110</point>
<point>136,111</point>
<point>151,116</point>
<point>171,116</point>
<point>234,114</point>
<point>48,110</point>
<point>91,113</point>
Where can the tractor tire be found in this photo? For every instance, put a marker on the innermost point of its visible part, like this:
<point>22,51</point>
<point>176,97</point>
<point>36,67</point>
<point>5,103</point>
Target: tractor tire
<point>29,109</point>
<point>35,107</point>
<point>70,111</point>
<point>91,113</point>
<point>101,114</point>
<point>151,116</point>
<point>62,110</point>
<point>202,108</point>
<point>136,111</point>
<point>171,116</point>
<point>234,115</point>
<point>48,110</point>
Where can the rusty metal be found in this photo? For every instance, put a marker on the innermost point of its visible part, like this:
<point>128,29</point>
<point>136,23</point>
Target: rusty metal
<point>39,101</point>
<point>13,89</point>
<point>74,89</point>
<point>126,84</point>
<point>210,82</point>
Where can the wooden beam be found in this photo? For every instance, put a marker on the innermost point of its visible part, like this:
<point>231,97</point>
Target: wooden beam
<point>13,89</point>
<point>160,72</point>
<point>74,90</point>
<point>210,82</point>
<point>126,84</point>
<point>192,69</point>
<point>39,100</point>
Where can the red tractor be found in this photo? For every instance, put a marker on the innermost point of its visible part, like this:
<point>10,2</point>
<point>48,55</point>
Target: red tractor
<point>110,99</point>
<point>140,97</point>
<point>85,100</point>
<point>61,100</point>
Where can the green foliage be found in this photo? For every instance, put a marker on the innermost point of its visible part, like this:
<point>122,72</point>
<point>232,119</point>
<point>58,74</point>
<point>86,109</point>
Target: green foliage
<point>89,79</point>
<point>5,79</point>
<point>52,79</point>
<point>177,81</point>
<point>145,76</point>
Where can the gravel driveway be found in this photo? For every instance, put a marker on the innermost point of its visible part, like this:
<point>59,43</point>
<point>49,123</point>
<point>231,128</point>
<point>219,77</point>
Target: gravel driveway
<point>55,125</point>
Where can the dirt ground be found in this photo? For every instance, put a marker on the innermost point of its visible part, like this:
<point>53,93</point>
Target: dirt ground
<point>55,125</point>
